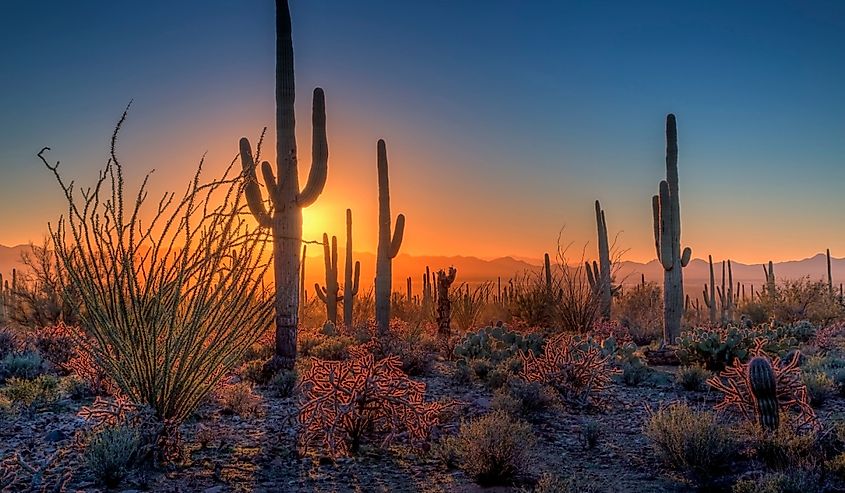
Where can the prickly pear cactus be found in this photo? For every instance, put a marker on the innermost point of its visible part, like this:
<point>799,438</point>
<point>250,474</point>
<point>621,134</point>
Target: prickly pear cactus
<point>497,344</point>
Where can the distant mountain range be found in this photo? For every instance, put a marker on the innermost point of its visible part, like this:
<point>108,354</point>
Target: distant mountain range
<point>474,270</point>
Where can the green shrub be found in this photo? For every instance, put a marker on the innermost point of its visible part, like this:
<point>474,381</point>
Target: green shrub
<point>576,483</point>
<point>239,399</point>
<point>76,388</point>
<point>819,387</point>
<point>692,378</point>
<point>333,348</point>
<point>284,383</point>
<point>494,449</point>
<point>783,448</point>
<point>252,371</point>
<point>462,373</point>
<point>36,394</point>
<point>689,440</point>
<point>504,401</point>
<point>307,341</point>
<point>533,396</point>
<point>481,368</point>
<point>634,373</point>
<point>497,377</point>
<point>112,452</point>
<point>590,432</point>
<point>26,365</point>
<point>794,481</point>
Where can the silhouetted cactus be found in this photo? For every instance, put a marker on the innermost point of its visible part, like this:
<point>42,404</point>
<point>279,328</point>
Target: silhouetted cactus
<point>761,376</point>
<point>351,275</point>
<point>666,209</point>
<point>829,274</point>
<point>599,276</point>
<point>444,304</point>
<point>769,275</point>
<point>547,271</point>
<point>710,298</point>
<point>329,293</point>
<point>285,215</point>
<point>388,247</point>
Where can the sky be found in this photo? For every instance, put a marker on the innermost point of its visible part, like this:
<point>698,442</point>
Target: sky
<point>504,119</point>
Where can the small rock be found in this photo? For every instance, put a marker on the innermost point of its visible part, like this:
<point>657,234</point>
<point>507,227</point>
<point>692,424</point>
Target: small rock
<point>55,436</point>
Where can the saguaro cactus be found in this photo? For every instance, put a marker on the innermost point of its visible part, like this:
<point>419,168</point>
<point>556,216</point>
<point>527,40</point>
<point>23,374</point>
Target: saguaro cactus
<point>769,274</point>
<point>829,274</point>
<point>350,276</point>
<point>388,247</point>
<point>329,293</point>
<point>599,276</point>
<point>303,293</point>
<point>761,377</point>
<point>666,208</point>
<point>285,215</point>
<point>444,304</point>
<point>710,298</point>
<point>547,271</point>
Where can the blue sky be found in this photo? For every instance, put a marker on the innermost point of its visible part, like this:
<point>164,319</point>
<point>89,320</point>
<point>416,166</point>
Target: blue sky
<point>504,119</point>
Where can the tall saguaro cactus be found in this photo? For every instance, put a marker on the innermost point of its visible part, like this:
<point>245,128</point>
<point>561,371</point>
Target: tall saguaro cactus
<point>284,194</point>
<point>829,273</point>
<point>599,276</point>
<point>329,293</point>
<point>771,286</point>
<point>388,247</point>
<point>350,276</point>
<point>710,298</point>
<point>666,208</point>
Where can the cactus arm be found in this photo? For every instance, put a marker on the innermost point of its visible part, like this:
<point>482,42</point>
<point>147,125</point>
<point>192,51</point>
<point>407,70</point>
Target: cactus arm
<point>321,292</point>
<point>590,277</point>
<point>251,189</point>
<point>686,256</point>
<point>319,153</point>
<point>398,234</point>
<point>356,278</point>
<point>655,211</point>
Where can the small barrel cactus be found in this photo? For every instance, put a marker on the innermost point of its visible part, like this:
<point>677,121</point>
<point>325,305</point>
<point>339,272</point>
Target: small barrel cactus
<point>761,377</point>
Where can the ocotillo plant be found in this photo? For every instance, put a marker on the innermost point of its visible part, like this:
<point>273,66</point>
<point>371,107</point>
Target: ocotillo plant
<point>444,304</point>
<point>329,293</point>
<point>350,276</point>
<point>600,276</point>
<point>388,247</point>
<point>285,215</point>
<point>666,208</point>
<point>710,298</point>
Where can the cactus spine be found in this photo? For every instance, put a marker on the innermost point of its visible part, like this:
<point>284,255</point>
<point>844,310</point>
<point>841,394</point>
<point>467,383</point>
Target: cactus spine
<point>388,247</point>
<point>329,293</point>
<point>444,304</point>
<point>761,378</point>
<point>600,277</point>
<point>666,210</point>
<point>285,215</point>
<point>350,276</point>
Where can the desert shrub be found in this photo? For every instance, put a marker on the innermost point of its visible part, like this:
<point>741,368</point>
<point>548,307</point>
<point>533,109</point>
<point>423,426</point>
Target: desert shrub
<point>803,299</point>
<point>462,373</point>
<point>830,336</point>
<point>791,391</point>
<point>504,401</point>
<point>194,266</point>
<point>445,451</point>
<point>333,348</point>
<point>111,453</point>
<point>494,449</point>
<point>576,368</point>
<point>56,344</point>
<point>533,396</point>
<point>635,373</point>
<point>802,330</point>
<point>479,367</point>
<point>76,388</point>
<point>640,311</point>
<point>690,441</point>
<point>26,365</point>
<point>497,344</point>
<point>8,342</point>
<point>284,383</point>
<point>532,300</point>
<point>819,387</point>
<point>252,371</point>
<point>346,402</point>
<point>692,378</point>
<point>239,399</point>
<point>836,466</point>
<point>590,432</point>
<point>575,483</point>
<point>36,394</point>
<point>715,348</point>
<point>306,342</point>
<point>839,381</point>
<point>794,481</point>
<point>783,448</point>
<point>415,347</point>
<point>468,304</point>
<point>497,377</point>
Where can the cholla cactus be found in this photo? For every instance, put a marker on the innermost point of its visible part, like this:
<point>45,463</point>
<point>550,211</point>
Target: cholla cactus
<point>666,209</point>
<point>763,388</point>
<point>329,293</point>
<point>343,402</point>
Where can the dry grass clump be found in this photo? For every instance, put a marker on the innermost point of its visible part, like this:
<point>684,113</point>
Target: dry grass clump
<point>239,399</point>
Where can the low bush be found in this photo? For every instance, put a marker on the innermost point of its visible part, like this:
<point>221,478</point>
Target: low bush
<point>284,383</point>
<point>794,481</point>
<point>252,371</point>
<point>26,365</point>
<point>332,348</point>
<point>690,441</point>
<point>819,387</point>
<point>783,448</point>
<point>590,433</point>
<point>111,453</point>
<point>494,449</point>
<point>239,399</point>
<point>37,394</point>
<point>692,378</point>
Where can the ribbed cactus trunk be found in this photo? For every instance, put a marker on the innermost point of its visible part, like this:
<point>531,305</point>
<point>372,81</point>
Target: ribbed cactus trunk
<point>351,276</point>
<point>599,276</point>
<point>666,208</point>
<point>729,310</point>
<point>329,293</point>
<point>285,216</point>
<point>769,274</point>
<point>547,271</point>
<point>761,378</point>
<point>444,303</point>
<point>710,298</point>
<point>388,247</point>
<point>829,273</point>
